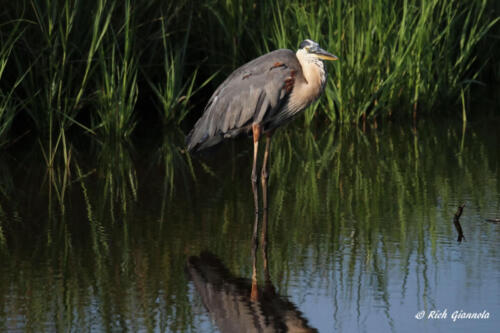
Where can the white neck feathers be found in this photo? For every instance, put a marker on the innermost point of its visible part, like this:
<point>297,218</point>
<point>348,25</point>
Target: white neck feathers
<point>314,73</point>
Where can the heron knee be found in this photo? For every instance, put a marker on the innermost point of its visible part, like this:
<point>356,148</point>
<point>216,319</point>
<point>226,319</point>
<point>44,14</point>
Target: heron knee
<point>264,175</point>
<point>254,178</point>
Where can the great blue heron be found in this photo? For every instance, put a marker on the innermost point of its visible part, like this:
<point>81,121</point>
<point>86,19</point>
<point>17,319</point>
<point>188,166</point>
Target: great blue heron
<point>260,96</point>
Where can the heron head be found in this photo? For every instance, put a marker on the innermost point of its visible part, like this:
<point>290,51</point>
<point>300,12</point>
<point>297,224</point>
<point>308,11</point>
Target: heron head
<point>313,49</point>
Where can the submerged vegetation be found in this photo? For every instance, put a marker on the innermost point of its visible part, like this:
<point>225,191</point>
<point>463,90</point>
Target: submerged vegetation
<point>103,66</point>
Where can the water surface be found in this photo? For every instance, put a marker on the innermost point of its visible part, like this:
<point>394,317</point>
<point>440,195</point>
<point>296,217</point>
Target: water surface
<point>360,235</point>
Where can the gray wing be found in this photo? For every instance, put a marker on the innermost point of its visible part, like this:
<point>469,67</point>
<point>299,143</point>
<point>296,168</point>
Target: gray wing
<point>251,94</point>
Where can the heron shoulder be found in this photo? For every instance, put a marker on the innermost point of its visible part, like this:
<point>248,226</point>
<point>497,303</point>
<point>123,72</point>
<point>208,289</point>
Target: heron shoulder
<point>265,62</point>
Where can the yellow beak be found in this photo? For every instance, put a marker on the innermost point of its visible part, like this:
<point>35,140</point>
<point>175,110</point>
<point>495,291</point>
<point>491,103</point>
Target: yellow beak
<point>324,55</point>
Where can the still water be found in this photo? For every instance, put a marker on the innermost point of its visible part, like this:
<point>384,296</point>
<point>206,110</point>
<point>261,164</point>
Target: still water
<point>359,235</point>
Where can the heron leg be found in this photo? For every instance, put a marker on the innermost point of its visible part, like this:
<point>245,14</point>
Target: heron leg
<point>256,129</point>
<point>264,172</point>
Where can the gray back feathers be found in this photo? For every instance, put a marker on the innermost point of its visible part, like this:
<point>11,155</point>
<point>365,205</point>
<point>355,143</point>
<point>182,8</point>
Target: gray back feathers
<point>253,93</point>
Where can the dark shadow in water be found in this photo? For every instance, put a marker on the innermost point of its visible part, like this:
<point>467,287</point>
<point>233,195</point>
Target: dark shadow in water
<point>456,222</point>
<point>239,304</point>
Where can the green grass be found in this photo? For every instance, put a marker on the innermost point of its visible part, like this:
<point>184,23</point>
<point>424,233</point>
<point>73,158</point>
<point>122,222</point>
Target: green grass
<point>8,106</point>
<point>396,58</point>
<point>172,92</point>
<point>99,66</point>
<point>117,89</point>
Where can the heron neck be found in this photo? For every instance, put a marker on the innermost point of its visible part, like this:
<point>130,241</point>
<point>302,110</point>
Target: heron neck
<point>314,74</point>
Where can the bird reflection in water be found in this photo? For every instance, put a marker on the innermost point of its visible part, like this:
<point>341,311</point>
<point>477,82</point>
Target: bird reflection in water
<point>238,304</point>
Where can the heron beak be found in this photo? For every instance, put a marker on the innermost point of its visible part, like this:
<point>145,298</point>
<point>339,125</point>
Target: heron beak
<point>324,55</point>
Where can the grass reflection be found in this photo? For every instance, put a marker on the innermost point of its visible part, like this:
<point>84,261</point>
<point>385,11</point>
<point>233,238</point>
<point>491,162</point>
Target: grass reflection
<point>102,244</point>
